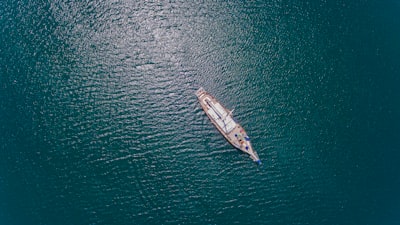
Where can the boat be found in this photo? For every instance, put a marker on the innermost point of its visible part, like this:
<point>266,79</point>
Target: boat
<point>222,119</point>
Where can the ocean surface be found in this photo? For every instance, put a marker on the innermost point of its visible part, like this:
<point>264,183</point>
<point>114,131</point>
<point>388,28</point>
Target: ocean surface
<point>99,123</point>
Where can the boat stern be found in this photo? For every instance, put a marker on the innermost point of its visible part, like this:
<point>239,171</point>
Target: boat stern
<point>200,92</point>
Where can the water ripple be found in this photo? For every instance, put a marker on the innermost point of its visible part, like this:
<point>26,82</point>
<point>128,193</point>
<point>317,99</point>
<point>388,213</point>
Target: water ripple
<point>115,132</point>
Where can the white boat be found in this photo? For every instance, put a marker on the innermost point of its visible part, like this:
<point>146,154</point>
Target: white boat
<point>223,121</point>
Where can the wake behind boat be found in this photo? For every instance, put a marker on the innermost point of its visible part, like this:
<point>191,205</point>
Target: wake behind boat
<point>223,121</point>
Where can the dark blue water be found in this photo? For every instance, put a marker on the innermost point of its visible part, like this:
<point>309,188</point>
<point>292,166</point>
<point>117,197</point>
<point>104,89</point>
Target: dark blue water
<point>100,125</point>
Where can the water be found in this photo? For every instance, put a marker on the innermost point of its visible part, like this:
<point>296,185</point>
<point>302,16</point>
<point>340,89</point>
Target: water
<point>100,124</point>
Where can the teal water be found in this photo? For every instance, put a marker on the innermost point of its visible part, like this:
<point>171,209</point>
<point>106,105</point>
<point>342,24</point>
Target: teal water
<point>100,125</point>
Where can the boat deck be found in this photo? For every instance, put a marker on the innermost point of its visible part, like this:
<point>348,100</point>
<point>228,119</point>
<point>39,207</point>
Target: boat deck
<point>226,125</point>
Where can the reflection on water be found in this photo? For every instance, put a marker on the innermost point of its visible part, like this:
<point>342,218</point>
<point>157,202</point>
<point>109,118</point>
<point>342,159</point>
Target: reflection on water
<point>102,125</point>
